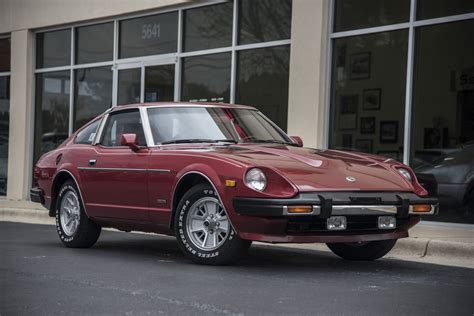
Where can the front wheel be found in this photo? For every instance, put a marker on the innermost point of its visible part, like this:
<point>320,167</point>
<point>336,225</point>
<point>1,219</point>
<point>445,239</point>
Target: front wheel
<point>368,251</point>
<point>74,228</point>
<point>203,229</point>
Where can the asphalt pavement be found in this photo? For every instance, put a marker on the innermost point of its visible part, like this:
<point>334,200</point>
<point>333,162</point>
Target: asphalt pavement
<point>138,274</point>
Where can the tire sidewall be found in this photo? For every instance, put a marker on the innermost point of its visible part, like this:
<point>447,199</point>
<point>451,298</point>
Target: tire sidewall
<point>184,239</point>
<point>67,187</point>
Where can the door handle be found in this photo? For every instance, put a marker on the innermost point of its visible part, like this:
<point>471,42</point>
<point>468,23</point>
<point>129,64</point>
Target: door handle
<point>92,162</point>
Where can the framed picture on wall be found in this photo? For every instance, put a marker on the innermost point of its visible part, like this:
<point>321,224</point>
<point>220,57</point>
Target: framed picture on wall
<point>367,125</point>
<point>348,108</point>
<point>389,131</point>
<point>364,145</point>
<point>360,66</point>
<point>371,99</point>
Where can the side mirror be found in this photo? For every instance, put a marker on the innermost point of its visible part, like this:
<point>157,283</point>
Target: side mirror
<point>297,140</point>
<point>130,140</point>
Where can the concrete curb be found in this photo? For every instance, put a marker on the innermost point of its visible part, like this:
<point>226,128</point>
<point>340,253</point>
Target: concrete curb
<point>413,248</point>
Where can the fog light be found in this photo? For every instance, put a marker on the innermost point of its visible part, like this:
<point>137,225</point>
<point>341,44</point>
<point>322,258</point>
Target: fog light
<point>300,209</point>
<point>336,223</point>
<point>387,222</point>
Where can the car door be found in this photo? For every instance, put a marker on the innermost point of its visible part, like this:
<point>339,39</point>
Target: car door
<point>115,179</point>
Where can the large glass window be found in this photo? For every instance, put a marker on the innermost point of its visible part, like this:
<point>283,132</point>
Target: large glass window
<point>5,54</point>
<point>264,20</point>
<point>94,43</point>
<point>427,9</point>
<point>208,27</point>
<point>92,93</point>
<point>4,131</point>
<point>443,114</point>
<point>151,35</point>
<point>159,83</point>
<point>129,86</point>
<point>206,78</point>
<point>53,49</point>
<point>359,14</point>
<point>262,81</point>
<point>368,93</point>
<point>52,111</point>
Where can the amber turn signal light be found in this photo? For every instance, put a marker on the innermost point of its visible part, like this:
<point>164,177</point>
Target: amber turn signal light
<point>230,183</point>
<point>300,209</point>
<point>421,208</point>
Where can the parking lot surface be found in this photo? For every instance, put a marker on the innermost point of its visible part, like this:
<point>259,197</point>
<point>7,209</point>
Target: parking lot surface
<point>137,274</point>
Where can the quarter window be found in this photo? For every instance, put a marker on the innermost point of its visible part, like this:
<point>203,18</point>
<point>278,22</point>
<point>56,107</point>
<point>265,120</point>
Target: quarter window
<point>87,134</point>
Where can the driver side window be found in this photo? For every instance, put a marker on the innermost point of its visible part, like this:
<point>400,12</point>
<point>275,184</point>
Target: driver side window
<point>124,122</point>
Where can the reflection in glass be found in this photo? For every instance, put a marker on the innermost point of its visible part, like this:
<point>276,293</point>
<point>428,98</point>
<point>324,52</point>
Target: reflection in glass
<point>129,86</point>
<point>427,9</point>
<point>262,81</point>
<point>208,27</point>
<point>5,47</point>
<point>92,93</point>
<point>359,14</point>
<point>52,111</point>
<point>4,131</point>
<point>94,43</point>
<point>443,115</point>
<point>53,49</point>
<point>206,78</point>
<point>151,35</point>
<point>159,83</point>
<point>264,20</point>
<point>368,93</point>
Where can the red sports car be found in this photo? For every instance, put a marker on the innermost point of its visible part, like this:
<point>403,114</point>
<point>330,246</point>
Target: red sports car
<point>218,177</point>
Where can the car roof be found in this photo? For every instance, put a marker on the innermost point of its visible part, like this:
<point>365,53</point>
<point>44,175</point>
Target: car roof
<point>182,104</point>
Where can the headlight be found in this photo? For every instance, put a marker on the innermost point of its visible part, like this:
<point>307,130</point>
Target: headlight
<point>255,179</point>
<point>404,172</point>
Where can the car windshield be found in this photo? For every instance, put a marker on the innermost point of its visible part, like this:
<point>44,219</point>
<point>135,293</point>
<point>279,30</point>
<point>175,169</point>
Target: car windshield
<point>173,125</point>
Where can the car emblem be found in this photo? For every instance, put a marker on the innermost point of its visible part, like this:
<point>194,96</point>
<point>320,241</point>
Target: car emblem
<point>350,179</point>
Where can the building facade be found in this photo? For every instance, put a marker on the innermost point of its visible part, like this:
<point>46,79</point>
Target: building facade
<point>388,77</point>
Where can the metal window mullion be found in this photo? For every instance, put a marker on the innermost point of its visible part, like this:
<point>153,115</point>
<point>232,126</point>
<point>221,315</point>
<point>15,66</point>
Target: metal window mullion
<point>4,74</point>
<point>71,81</point>
<point>327,97</point>
<point>409,86</point>
<point>233,64</point>
<point>177,67</point>
<point>114,64</point>
<point>263,44</point>
<point>142,83</point>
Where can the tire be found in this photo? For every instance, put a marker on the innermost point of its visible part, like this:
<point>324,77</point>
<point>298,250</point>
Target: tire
<point>203,229</point>
<point>366,251</point>
<point>74,228</point>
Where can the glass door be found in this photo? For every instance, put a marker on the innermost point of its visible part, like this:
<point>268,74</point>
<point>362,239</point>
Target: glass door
<point>159,83</point>
<point>129,84</point>
<point>145,81</point>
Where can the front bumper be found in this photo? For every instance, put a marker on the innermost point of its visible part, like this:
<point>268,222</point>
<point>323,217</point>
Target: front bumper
<point>268,220</point>
<point>328,204</point>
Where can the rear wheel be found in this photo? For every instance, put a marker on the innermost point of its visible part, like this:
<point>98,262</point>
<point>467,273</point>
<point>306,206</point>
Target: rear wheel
<point>203,229</point>
<point>370,250</point>
<point>74,228</point>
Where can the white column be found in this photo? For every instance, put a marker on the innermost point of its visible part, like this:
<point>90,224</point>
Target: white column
<point>308,62</point>
<point>20,152</point>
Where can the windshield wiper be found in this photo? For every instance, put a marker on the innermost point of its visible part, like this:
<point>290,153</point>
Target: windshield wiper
<point>199,140</point>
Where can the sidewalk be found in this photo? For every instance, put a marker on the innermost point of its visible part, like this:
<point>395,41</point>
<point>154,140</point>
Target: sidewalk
<point>430,242</point>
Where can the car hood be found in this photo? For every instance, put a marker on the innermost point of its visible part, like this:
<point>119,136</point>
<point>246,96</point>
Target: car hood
<point>311,169</point>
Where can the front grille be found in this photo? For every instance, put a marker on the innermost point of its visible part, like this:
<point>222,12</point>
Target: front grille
<point>355,224</point>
